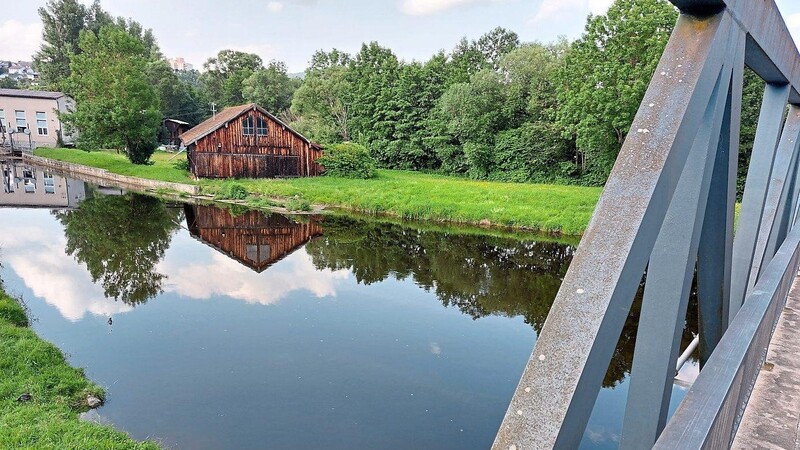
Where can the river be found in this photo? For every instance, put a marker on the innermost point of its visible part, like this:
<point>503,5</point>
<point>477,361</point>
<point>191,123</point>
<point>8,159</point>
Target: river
<point>216,328</point>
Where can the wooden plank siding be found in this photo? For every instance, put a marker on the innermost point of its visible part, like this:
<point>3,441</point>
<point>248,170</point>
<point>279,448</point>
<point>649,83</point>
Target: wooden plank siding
<point>226,152</point>
<point>254,239</point>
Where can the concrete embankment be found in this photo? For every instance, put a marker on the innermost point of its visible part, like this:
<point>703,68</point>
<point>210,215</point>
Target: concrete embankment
<point>104,177</point>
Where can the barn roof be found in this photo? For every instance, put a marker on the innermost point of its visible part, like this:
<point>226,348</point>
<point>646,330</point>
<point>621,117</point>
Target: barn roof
<point>226,116</point>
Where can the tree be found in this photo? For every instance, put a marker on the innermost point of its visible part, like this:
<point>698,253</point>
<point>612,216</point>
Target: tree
<point>496,44</point>
<point>223,76</point>
<point>371,75</point>
<point>121,239</point>
<point>319,104</point>
<point>117,106</point>
<point>606,74</point>
<point>62,23</point>
<point>178,99</point>
<point>270,87</point>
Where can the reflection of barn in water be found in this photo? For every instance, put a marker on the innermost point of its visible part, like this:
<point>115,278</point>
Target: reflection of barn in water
<point>255,239</point>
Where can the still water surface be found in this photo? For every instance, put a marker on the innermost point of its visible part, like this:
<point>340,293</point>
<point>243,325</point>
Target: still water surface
<point>240,329</point>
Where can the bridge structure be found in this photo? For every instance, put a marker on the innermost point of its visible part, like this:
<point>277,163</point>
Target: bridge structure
<point>668,209</point>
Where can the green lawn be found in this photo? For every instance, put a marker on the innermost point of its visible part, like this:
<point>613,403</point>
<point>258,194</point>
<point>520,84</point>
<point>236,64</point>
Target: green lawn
<point>409,195</point>
<point>29,365</point>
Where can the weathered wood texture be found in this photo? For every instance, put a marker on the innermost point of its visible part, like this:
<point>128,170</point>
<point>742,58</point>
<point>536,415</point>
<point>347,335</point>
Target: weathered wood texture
<point>255,239</point>
<point>227,152</point>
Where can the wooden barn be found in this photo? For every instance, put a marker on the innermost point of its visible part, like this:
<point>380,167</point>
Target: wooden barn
<point>255,239</point>
<point>248,142</point>
<point>173,129</point>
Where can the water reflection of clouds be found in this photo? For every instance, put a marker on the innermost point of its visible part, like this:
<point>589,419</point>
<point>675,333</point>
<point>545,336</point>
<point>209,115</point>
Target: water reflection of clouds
<point>222,276</point>
<point>33,247</point>
<point>32,244</point>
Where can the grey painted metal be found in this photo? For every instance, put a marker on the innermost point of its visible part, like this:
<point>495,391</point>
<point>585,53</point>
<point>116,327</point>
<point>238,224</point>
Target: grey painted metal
<point>709,414</point>
<point>755,192</point>
<point>714,254</point>
<point>560,383</point>
<point>781,224</point>
<point>777,185</point>
<point>637,219</point>
<point>669,279</point>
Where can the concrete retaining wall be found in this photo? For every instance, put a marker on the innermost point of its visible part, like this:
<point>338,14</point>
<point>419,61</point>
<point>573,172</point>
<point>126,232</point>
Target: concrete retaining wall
<point>104,177</point>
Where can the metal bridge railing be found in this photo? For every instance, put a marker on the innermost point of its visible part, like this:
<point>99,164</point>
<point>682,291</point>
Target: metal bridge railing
<point>668,207</point>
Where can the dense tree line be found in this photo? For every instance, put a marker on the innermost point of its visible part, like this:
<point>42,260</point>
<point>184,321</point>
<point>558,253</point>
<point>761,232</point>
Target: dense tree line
<point>491,108</point>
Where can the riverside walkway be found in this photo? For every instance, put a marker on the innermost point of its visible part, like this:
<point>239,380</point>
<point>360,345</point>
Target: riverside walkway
<point>772,417</point>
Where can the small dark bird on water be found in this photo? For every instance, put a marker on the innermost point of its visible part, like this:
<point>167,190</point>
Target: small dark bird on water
<point>110,321</point>
<point>25,398</point>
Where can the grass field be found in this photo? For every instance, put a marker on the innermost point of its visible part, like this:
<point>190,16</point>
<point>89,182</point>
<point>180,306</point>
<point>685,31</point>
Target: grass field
<point>409,195</point>
<point>29,365</point>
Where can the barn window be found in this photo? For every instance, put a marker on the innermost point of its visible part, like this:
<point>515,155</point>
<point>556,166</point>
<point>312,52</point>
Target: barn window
<point>261,126</point>
<point>247,126</point>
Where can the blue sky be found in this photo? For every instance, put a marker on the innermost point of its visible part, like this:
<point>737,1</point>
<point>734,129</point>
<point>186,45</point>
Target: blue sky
<point>291,30</point>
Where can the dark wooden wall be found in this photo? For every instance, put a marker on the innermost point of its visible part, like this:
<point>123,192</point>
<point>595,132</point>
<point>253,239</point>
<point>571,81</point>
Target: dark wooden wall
<point>228,153</point>
<point>232,234</point>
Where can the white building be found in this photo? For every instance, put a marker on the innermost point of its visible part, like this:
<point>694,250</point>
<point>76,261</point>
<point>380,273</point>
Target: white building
<point>180,65</point>
<point>31,118</point>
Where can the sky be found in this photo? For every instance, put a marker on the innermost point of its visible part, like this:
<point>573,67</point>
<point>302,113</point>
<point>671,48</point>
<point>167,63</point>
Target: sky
<point>291,30</point>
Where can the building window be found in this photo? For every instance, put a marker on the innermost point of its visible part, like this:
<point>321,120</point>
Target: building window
<point>49,183</point>
<point>41,123</point>
<point>2,121</point>
<point>30,186</point>
<point>22,125</point>
<point>247,126</point>
<point>261,126</point>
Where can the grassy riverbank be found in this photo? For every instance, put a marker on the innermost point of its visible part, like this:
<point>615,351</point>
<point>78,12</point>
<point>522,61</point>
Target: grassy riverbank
<point>409,195</point>
<point>29,365</point>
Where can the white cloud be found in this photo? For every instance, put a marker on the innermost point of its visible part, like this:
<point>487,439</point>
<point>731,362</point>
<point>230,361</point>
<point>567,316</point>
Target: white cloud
<point>275,7</point>
<point>222,276</point>
<point>428,7</point>
<point>36,254</point>
<point>551,9</point>
<point>19,41</point>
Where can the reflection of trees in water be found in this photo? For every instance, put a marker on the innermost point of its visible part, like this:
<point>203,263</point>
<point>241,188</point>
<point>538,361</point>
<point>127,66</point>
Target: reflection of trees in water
<point>480,275</point>
<point>121,239</point>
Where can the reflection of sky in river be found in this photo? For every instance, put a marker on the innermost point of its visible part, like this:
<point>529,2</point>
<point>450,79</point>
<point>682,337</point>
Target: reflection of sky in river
<point>33,245</point>
<point>331,363</point>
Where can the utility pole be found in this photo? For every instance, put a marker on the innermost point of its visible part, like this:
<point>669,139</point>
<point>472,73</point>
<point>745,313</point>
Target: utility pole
<point>214,110</point>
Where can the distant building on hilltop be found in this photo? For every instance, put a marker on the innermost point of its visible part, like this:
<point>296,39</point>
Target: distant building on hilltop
<point>30,119</point>
<point>180,65</point>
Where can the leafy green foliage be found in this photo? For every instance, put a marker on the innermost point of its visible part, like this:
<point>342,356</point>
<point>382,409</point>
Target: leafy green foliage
<point>224,75</point>
<point>606,74</point>
<point>270,87</point>
<point>319,106</point>
<point>231,190</point>
<point>182,164</point>
<point>297,203</point>
<point>117,106</point>
<point>121,239</point>
<point>348,160</point>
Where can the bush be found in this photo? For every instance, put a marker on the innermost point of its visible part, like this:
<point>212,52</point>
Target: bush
<point>232,190</point>
<point>348,160</point>
<point>297,204</point>
<point>182,164</point>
